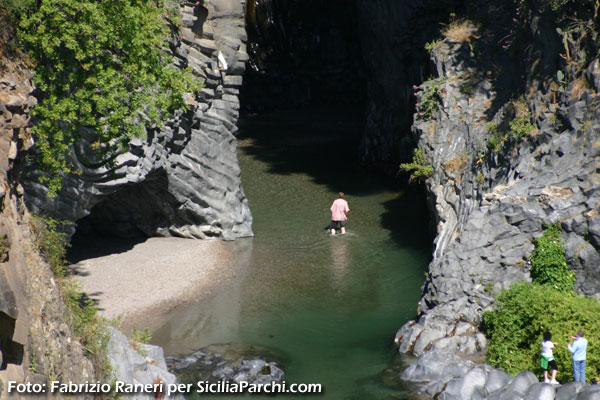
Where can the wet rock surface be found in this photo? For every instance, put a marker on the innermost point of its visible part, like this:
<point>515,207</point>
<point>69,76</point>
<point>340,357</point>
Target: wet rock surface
<point>228,362</point>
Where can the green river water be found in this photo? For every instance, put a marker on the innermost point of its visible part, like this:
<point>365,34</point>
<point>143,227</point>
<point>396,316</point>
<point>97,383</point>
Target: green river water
<point>329,305</point>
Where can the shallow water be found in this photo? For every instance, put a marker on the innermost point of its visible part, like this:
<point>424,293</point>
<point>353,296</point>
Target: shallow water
<point>330,305</point>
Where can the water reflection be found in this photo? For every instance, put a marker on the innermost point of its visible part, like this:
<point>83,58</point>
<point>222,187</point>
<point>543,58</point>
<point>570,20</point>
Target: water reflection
<point>195,325</point>
<point>328,305</point>
<point>338,247</point>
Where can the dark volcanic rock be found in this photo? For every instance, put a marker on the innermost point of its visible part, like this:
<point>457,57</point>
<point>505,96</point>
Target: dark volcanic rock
<point>228,362</point>
<point>186,172</point>
<point>490,209</point>
<point>393,36</point>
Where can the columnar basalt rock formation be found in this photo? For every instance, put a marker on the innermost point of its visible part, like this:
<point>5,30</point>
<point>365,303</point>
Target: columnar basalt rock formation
<point>489,205</point>
<point>186,172</point>
<point>36,337</point>
<point>302,52</point>
<point>393,36</point>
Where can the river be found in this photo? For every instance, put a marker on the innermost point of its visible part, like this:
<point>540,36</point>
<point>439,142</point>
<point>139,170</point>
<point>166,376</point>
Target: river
<point>329,305</point>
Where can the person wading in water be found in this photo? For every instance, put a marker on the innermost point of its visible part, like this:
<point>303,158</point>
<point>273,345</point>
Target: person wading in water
<point>339,214</point>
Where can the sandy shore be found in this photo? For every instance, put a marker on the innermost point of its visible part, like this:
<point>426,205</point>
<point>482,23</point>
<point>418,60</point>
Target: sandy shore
<point>143,283</point>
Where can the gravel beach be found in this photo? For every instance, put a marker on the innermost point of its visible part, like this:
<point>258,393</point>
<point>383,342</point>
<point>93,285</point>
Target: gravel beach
<point>146,280</point>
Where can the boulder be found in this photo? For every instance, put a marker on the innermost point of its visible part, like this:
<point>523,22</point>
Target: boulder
<point>466,386</point>
<point>496,380</point>
<point>591,392</point>
<point>540,391</point>
<point>521,383</point>
<point>568,391</point>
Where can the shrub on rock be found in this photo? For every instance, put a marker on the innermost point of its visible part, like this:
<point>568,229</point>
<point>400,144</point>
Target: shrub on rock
<point>548,263</point>
<point>525,312</point>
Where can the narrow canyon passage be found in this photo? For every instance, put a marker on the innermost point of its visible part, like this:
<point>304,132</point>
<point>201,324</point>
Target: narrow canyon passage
<point>329,306</point>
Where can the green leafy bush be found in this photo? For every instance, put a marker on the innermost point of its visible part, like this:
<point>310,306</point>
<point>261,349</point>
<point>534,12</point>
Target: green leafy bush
<point>51,242</point>
<point>138,338</point>
<point>15,8</point>
<point>524,313</point>
<point>548,263</point>
<point>83,310</point>
<point>480,179</point>
<point>419,168</point>
<point>429,93</point>
<point>100,71</point>
<point>429,46</point>
<point>173,11</point>
<point>496,140</point>
<point>521,128</point>
<point>466,88</point>
<point>90,329</point>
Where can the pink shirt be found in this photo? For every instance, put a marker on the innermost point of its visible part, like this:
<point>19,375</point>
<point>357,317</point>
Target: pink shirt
<point>339,209</point>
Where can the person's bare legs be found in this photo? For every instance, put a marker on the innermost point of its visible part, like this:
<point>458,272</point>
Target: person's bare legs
<point>554,371</point>
<point>546,376</point>
<point>343,230</point>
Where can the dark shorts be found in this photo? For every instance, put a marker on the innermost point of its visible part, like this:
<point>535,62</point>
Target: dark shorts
<point>552,366</point>
<point>337,224</point>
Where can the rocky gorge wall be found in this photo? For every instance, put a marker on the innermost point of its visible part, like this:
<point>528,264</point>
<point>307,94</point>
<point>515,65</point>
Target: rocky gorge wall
<point>35,341</point>
<point>187,171</point>
<point>392,36</point>
<point>490,205</point>
<point>302,51</point>
<point>338,52</point>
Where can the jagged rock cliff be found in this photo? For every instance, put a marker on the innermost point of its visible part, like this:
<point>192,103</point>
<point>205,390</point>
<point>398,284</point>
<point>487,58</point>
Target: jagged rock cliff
<point>187,171</point>
<point>37,340</point>
<point>302,52</point>
<point>490,203</point>
<point>34,337</point>
<point>392,36</point>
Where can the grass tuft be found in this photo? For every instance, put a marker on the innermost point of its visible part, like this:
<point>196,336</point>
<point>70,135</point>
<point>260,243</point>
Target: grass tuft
<point>460,31</point>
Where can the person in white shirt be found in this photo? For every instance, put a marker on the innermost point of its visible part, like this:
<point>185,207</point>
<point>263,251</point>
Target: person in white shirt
<point>548,361</point>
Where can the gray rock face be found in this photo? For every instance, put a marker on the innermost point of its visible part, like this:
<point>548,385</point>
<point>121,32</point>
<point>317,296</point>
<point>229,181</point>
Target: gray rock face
<point>393,34</point>
<point>228,362</point>
<point>432,371</point>
<point>131,367</point>
<point>522,383</point>
<point>466,387</point>
<point>490,206</point>
<point>302,52</point>
<point>568,391</point>
<point>187,171</point>
<point>540,391</point>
